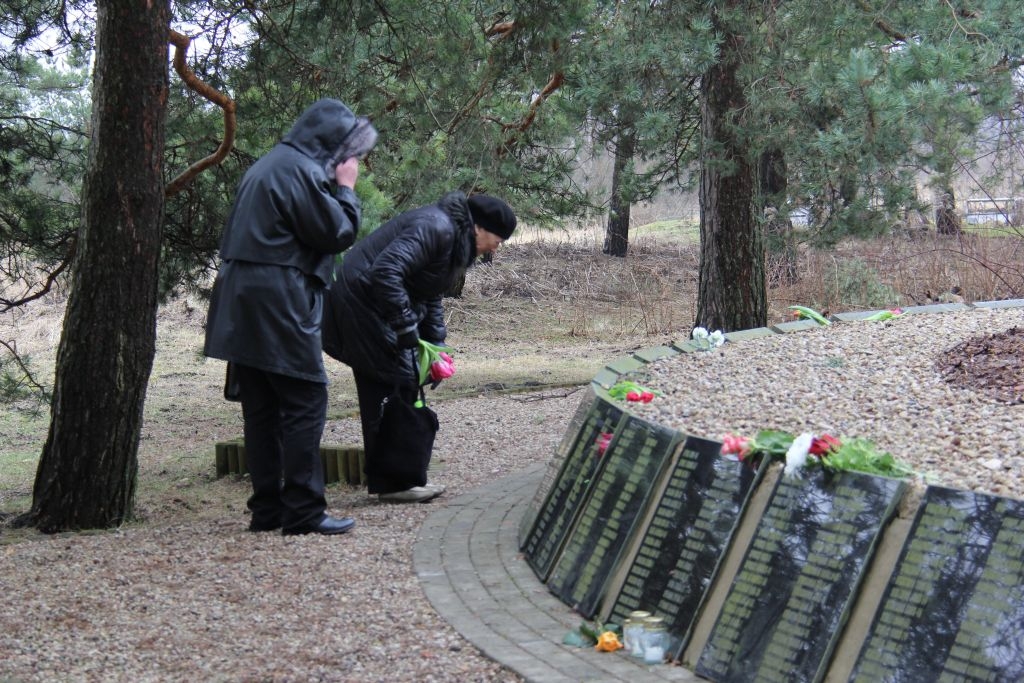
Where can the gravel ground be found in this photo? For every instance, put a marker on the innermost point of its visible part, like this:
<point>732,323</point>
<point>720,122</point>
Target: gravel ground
<point>203,599</point>
<point>206,600</point>
<point>875,380</point>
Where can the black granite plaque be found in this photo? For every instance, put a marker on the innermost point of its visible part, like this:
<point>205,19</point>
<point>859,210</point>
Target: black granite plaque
<point>555,517</point>
<point>954,607</point>
<point>690,529</point>
<point>789,601</point>
<point>554,465</point>
<point>623,485</point>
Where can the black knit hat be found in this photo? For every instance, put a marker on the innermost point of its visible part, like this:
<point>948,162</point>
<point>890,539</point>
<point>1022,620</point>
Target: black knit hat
<point>493,215</point>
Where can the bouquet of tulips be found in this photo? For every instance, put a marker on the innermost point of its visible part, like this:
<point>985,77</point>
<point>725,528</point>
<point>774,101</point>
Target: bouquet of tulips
<point>434,363</point>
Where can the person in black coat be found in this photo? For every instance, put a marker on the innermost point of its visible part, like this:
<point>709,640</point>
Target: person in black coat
<point>386,297</point>
<point>295,209</point>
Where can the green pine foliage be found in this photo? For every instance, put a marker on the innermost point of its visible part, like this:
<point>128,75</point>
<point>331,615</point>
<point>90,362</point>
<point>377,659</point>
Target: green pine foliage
<point>43,137</point>
<point>856,98</point>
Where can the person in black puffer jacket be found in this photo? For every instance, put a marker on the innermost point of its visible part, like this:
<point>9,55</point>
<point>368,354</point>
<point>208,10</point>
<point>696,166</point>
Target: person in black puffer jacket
<point>386,297</point>
<point>294,210</point>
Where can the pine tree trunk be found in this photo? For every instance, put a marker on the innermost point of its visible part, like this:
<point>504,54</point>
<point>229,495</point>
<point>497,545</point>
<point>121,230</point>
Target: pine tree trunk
<point>732,292</point>
<point>782,255</point>
<point>87,471</point>
<point>947,221</point>
<point>616,240</point>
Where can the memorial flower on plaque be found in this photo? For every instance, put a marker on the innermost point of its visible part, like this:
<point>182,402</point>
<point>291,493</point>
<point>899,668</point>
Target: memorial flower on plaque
<point>805,313</point>
<point>813,450</point>
<point>608,641</point>
<point>796,454</point>
<point>736,446</point>
<point>707,341</point>
<point>626,390</point>
<point>884,315</point>
<point>602,442</point>
<point>602,637</point>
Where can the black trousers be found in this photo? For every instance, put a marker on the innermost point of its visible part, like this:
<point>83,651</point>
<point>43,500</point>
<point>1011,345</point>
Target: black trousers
<point>381,477</point>
<point>284,421</point>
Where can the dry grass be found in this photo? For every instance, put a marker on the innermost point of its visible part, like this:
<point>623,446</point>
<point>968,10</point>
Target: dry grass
<point>905,272</point>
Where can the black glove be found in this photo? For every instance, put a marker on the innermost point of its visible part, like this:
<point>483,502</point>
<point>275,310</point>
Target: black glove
<point>409,340</point>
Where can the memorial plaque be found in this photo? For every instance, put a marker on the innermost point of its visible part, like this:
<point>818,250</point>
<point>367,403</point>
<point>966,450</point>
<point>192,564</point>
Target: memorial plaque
<point>555,517</point>
<point>690,529</point>
<point>622,488</point>
<point>554,465</point>
<point>790,598</point>
<point>1002,303</point>
<point>954,606</point>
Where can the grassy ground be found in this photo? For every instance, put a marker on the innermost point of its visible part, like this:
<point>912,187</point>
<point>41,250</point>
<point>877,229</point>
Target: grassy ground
<point>550,311</point>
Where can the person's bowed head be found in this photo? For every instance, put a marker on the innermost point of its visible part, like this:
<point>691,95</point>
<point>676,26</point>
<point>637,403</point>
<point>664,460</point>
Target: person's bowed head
<point>493,220</point>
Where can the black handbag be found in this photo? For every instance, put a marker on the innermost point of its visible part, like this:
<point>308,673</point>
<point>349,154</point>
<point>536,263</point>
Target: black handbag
<point>232,392</point>
<point>405,438</point>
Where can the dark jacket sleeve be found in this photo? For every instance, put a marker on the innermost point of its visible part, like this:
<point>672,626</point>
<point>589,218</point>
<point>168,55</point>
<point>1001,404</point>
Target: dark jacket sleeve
<point>432,327</point>
<point>326,217</point>
<point>411,252</point>
<point>287,213</point>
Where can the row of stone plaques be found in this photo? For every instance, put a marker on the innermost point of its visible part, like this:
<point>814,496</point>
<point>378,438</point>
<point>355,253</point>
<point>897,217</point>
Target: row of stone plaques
<point>342,464</point>
<point>767,577</point>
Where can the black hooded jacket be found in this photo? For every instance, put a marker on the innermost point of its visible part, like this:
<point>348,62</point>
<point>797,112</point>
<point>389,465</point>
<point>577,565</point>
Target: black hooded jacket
<point>289,221</point>
<point>392,281</point>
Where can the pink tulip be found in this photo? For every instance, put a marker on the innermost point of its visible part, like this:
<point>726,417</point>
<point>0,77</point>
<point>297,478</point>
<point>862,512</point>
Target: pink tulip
<point>441,369</point>
<point>734,444</point>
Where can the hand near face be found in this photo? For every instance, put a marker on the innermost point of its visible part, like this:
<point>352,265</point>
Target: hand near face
<point>347,172</point>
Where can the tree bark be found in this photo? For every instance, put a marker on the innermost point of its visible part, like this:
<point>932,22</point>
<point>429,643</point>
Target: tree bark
<point>87,472</point>
<point>616,240</point>
<point>782,255</point>
<point>732,292</point>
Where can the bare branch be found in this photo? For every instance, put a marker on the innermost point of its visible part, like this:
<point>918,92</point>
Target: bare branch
<point>883,26</point>
<point>181,43</point>
<point>29,377</point>
<point>501,29</point>
<point>557,79</point>
<point>8,304</point>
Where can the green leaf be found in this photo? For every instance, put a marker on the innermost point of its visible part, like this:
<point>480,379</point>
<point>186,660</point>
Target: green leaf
<point>576,639</point>
<point>772,442</point>
<point>590,632</point>
<point>811,314</point>
<point>860,455</point>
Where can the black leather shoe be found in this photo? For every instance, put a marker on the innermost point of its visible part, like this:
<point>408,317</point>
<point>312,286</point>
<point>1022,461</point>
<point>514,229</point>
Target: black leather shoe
<point>327,526</point>
<point>264,526</point>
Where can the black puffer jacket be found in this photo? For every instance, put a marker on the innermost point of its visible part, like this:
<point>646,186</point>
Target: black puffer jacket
<point>393,280</point>
<point>277,251</point>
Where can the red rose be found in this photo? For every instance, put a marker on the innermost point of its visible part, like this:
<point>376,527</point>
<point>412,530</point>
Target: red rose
<point>823,445</point>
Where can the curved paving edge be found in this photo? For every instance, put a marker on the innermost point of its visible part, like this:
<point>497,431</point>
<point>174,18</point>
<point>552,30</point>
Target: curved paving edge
<point>467,560</point>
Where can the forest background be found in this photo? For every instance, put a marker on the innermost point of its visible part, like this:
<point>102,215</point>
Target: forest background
<point>811,140</point>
